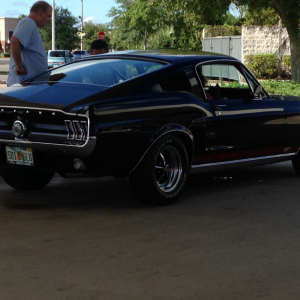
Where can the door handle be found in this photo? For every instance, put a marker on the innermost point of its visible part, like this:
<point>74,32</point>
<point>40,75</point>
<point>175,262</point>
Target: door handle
<point>219,107</point>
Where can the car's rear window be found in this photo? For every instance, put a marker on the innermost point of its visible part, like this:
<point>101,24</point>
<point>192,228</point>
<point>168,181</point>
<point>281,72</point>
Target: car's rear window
<point>105,72</point>
<point>57,53</point>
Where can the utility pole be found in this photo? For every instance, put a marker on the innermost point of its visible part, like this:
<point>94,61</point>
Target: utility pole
<point>53,25</point>
<point>81,29</point>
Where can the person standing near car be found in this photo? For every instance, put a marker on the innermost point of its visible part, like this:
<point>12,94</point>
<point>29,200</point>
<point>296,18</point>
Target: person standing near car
<point>28,55</point>
<point>98,47</point>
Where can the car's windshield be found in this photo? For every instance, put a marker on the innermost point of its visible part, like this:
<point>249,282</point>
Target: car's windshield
<point>104,72</point>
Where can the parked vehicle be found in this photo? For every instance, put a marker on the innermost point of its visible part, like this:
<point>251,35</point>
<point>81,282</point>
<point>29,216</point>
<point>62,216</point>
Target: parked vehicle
<point>78,54</point>
<point>151,116</point>
<point>57,58</point>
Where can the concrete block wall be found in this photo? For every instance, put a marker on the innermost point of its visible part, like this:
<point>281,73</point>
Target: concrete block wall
<point>265,39</point>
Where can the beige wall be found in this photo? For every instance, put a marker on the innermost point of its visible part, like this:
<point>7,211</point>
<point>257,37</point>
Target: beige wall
<point>265,39</point>
<point>6,25</point>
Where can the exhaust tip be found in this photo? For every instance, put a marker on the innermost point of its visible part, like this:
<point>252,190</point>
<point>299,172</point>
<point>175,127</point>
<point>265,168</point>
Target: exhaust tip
<point>79,165</point>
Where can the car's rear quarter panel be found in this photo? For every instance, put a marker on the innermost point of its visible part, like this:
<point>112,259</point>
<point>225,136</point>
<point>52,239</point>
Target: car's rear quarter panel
<point>127,127</point>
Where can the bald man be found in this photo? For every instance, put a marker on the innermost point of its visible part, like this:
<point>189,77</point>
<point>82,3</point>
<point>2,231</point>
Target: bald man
<point>28,54</point>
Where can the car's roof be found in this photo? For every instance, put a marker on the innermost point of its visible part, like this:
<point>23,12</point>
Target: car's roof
<point>170,55</point>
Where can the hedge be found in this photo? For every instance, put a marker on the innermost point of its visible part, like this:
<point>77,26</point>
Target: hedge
<point>265,66</point>
<point>5,54</point>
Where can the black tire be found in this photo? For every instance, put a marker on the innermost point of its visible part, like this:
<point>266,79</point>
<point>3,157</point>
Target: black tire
<point>161,176</point>
<point>27,180</point>
<point>296,163</point>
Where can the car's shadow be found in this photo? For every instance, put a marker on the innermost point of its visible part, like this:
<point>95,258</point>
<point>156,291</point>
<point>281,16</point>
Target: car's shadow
<point>76,193</point>
<point>111,193</point>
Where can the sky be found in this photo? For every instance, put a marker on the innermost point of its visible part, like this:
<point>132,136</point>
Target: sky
<point>93,10</point>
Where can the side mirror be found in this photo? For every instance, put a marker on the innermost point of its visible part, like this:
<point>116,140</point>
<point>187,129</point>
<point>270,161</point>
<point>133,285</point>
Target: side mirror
<point>259,92</point>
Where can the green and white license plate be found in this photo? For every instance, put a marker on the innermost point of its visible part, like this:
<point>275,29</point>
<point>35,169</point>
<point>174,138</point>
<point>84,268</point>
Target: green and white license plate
<point>19,156</point>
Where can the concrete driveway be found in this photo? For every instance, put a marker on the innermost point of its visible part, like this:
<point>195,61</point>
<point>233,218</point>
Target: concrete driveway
<point>227,238</point>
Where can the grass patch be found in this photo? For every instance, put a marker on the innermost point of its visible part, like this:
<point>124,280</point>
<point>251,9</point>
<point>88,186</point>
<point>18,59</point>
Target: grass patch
<point>285,88</point>
<point>289,88</point>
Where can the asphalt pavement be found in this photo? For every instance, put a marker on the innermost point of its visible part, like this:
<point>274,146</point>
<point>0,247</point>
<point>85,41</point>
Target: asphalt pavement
<point>229,238</point>
<point>3,79</point>
<point>4,67</point>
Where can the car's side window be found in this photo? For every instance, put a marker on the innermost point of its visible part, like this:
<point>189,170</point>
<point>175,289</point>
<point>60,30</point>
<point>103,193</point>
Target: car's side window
<point>176,82</point>
<point>223,81</point>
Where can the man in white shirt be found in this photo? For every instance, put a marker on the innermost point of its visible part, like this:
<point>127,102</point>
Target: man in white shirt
<point>28,55</point>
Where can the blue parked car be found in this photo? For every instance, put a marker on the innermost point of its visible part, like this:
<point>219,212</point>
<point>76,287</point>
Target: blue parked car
<point>57,58</point>
<point>77,54</point>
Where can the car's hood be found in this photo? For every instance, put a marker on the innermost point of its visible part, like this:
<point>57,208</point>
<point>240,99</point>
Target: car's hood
<point>45,95</point>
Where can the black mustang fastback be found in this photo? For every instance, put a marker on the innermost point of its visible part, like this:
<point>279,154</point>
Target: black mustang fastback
<point>150,115</point>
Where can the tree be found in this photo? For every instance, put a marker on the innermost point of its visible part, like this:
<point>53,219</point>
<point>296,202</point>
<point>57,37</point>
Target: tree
<point>189,17</point>
<point>66,28</point>
<point>147,16</point>
<point>153,24</point>
<point>123,37</point>
<point>134,21</point>
<point>265,16</point>
<point>289,13</point>
<point>207,10</point>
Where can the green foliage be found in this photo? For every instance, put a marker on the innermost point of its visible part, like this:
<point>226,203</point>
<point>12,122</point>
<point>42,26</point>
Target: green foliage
<point>289,13</point>
<point>188,34</point>
<point>222,30</point>
<point>5,54</point>
<point>234,85</point>
<point>134,22</point>
<point>124,37</point>
<point>66,28</point>
<point>264,16</point>
<point>154,24</point>
<point>163,38</point>
<point>231,20</point>
<point>209,12</point>
<point>286,63</point>
<point>22,16</point>
<point>290,88</point>
<point>287,88</point>
<point>286,59</point>
<point>263,66</point>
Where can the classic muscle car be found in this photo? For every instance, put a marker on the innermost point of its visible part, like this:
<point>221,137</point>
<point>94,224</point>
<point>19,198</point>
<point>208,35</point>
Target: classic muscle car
<point>150,115</point>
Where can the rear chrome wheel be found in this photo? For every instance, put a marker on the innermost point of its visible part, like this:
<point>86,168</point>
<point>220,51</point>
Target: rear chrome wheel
<point>162,175</point>
<point>168,169</point>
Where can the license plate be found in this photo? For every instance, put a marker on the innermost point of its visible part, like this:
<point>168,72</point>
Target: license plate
<point>19,156</point>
